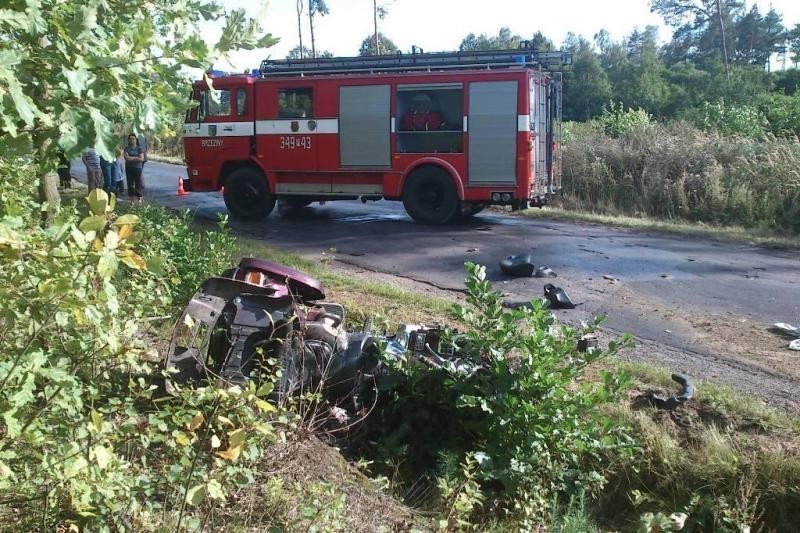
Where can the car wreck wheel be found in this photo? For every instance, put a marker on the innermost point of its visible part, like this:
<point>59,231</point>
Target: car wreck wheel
<point>247,195</point>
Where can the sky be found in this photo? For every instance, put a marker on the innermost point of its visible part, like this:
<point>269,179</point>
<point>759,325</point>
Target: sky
<point>438,25</point>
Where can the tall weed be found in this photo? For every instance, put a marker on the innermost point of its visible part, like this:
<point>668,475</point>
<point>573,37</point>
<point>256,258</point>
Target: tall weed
<point>676,171</point>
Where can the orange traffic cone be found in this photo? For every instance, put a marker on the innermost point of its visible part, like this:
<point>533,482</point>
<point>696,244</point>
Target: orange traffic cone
<point>181,191</point>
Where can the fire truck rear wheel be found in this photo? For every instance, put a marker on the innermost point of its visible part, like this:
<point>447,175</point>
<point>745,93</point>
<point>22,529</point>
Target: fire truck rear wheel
<point>431,198</point>
<point>247,195</point>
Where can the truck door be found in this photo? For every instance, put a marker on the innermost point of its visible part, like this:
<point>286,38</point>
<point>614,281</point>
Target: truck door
<point>554,163</point>
<point>219,129</point>
<point>492,126</point>
<point>288,138</point>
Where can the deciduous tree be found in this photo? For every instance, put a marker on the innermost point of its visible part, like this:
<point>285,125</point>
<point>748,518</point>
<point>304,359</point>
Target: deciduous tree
<point>385,46</point>
<point>69,70</point>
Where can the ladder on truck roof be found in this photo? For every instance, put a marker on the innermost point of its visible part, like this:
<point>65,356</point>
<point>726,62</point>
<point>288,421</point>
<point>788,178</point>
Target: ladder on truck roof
<point>416,61</point>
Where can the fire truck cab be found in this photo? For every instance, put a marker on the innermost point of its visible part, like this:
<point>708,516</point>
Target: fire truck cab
<point>445,133</point>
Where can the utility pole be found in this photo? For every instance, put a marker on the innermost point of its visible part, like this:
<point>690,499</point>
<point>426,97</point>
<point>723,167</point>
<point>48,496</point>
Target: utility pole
<point>375,21</point>
<point>724,43</point>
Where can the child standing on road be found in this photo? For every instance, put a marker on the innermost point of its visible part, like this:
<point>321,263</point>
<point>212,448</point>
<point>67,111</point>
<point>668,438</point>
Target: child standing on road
<point>119,162</point>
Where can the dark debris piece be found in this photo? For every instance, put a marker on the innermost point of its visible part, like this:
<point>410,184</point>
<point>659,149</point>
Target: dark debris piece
<point>518,266</point>
<point>686,393</point>
<point>557,297</point>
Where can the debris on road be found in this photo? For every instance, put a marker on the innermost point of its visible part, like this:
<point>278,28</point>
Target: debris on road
<point>557,297</point>
<point>588,343</point>
<point>544,272</point>
<point>610,278</point>
<point>517,265</point>
<point>786,329</point>
<point>684,395</point>
<point>471,250</point>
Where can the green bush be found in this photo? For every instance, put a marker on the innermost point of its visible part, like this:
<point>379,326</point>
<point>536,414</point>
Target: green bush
<point>88,438</point>
<point>616,121</point>
<point>782,113</point>
<point>744,120</point>
<point>525,429</point>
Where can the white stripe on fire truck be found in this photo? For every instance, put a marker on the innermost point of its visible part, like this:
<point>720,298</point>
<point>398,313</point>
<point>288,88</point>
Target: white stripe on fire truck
<point>223,129</point>
<point>304,126</point>
<point>523,123</point>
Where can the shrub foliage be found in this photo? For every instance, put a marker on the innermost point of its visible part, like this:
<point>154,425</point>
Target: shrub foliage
<point>524,429</point>
<point>88,438</point>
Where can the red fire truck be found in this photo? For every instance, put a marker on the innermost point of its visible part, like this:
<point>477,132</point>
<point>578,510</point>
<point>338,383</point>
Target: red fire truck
<point>445,133</point>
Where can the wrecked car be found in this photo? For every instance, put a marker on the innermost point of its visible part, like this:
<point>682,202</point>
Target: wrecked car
<point>260,316</point>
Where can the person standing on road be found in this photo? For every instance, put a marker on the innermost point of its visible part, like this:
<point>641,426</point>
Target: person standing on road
<point>94,175</point>
<point>109,170</point>
<point>134,158</point>
<point>64,177</point>
<point>119,163</point>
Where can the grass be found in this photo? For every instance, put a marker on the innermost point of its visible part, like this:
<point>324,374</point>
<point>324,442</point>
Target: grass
<point>723,458</point>
<point>161,158</point>
<point>734,234</point>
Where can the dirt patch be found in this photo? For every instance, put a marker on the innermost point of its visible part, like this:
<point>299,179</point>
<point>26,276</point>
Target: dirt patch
<point>305,483</point>
<point>746,340</point>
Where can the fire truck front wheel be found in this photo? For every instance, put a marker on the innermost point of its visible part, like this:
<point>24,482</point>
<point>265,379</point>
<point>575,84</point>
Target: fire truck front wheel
<point>431,197</point>
<point>247,195</point>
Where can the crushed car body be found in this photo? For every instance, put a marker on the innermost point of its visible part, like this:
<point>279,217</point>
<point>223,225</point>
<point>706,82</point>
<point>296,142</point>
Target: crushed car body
<point>260,315</point>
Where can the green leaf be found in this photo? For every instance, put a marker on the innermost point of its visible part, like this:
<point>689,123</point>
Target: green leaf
<point>103,456</point>
<point>215,490</point>
<point>26,109</point>
<point>78,80</point>
<point>98,201</point>
<point>107,265</point>
<point>97,421</point>
<point>236,438</point>
<point>105,140</point>
<point>93,223</point>
<point>196,494</point>
<point>126,219</point>
<point>13,427</point>
<point>265,389</point>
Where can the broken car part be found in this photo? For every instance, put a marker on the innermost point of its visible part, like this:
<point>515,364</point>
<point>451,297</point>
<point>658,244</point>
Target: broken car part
<point>544,272</point>
<point>557,297</point>
<point>517,265</point>
<point>684,395</point>
<point>261,314</point>
<point>786,329</point>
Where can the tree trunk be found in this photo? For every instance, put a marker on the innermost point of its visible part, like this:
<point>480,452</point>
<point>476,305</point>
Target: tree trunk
<point>724,43</point>
<point>311,29</point>
<point>48,180</point>
<point>300,25</point>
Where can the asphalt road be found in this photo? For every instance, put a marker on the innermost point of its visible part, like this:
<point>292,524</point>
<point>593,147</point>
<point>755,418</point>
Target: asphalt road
<point>681,297</point>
